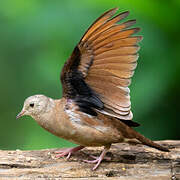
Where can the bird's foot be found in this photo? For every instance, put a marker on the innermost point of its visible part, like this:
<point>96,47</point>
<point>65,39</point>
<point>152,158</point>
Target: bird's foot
<point>68,152</point>
<point>105,158</point>
<point>98,160</point>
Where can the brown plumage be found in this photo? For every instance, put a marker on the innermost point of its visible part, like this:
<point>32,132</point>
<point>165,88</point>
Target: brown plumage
<point>95,109</point>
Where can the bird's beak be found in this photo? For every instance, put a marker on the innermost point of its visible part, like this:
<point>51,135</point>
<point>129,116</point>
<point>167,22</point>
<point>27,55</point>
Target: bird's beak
<point>20,114</point>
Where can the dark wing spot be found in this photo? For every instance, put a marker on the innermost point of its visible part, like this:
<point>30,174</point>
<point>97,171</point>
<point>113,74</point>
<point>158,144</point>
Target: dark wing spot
<point>130,123</point>
<point>78,90</point>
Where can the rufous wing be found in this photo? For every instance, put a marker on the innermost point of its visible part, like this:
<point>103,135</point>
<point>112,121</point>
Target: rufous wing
<point>99,71</point>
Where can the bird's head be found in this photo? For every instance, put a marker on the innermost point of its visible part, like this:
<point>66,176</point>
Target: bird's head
<point>34,106</point>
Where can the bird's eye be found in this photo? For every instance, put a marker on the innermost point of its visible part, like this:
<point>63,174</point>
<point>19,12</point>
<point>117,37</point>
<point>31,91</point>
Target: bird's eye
<point>31,105</point>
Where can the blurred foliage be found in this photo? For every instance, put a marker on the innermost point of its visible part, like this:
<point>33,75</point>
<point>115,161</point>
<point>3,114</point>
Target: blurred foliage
<point>37,36</point>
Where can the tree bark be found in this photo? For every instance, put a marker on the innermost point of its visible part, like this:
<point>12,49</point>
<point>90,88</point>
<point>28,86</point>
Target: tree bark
<point>125,161</point>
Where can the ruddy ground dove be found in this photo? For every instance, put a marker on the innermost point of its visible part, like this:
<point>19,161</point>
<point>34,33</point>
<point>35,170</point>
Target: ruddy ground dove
<point>95,109</point>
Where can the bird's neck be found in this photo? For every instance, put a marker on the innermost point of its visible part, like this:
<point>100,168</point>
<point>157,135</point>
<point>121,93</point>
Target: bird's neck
<point>45,119</point>
<point>52,119</point>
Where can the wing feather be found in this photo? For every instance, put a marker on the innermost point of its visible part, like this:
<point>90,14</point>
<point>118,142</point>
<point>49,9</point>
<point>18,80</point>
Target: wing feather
<point>108,45</point>
<point>117,59</point>
<point>99,71</point>
<point>106,25</point>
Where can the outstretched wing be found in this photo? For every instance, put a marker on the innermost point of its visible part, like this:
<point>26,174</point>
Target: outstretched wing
<point>97,75</point>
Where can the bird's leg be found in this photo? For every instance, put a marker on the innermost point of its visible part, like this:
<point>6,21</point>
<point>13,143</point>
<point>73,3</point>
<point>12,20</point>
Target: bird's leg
<point>100,158</point>
<point>68,151</point>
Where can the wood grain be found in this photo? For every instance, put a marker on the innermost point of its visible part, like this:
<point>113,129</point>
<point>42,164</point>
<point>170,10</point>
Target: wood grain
<point>128,162</point>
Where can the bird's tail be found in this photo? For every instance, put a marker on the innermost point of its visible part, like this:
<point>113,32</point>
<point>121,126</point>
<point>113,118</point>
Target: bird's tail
<point>150,143</point>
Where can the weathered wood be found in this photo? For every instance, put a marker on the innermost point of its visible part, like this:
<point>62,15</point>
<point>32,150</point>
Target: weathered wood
<point>128,162</point>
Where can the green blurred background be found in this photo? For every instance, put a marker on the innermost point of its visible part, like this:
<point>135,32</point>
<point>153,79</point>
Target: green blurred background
<point>37,36</point>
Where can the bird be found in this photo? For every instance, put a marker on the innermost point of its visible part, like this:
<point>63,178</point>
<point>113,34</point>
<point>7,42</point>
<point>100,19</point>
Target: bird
<point>95,108</point>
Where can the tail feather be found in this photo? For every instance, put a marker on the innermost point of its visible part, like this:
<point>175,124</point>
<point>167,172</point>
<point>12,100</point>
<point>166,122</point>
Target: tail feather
<point>150,143</point>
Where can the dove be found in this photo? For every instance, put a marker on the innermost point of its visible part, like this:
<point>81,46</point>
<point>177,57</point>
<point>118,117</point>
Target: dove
<point>95,108</point>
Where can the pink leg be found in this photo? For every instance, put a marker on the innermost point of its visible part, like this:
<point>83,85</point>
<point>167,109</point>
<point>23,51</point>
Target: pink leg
<point>99,159</point>
<point>68,151</point>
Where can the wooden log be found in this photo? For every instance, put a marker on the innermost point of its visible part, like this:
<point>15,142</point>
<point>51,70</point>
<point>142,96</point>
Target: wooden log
<point>125,161</point>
